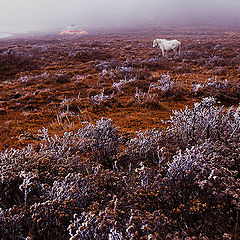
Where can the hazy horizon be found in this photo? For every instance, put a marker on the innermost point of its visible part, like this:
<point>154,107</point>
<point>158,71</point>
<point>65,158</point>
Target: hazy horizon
<point>42,15</point>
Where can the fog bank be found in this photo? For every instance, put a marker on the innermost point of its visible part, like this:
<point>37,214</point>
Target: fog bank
<point>45,15</point>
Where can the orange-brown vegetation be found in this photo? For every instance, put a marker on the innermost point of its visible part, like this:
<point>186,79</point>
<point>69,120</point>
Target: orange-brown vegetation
<point>42,78</point>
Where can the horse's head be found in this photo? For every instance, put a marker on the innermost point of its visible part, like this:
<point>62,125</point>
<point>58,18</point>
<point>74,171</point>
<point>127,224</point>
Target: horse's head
<point>155,43</point>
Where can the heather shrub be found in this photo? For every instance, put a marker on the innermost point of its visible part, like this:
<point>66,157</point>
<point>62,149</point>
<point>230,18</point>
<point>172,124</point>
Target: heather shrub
<point>101,140</point>
<point>106,65</point>
<point>142,97</point>
<point>91,225</point>
<point>166,87</point>
<point>59,147</point>
<point>148,225</point>
<point>204,182</point>
<point>49,219</point>
<point>165,84</point>
<point>179,183</point>
<point>11,221</point>
<point>12,163</point>
<point>222,90</point>
<point>204,121</point>
<point>118,85</point>
<point>99,98</point>
<point>76,187</point>
<point>91,54</point>
<point>146,146</point>
<point>156,63</point>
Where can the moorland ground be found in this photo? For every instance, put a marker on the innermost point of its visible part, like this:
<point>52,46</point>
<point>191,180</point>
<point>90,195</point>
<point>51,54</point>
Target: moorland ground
<point>91,149</point>
<point>51,81</point>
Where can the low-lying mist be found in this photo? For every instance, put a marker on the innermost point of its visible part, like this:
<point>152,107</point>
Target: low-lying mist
<point>43,15</point>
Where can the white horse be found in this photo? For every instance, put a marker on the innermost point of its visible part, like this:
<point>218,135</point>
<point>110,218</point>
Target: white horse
<point>167,46</point>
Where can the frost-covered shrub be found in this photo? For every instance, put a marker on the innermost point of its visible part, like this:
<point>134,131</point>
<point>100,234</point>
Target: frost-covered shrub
<point>193,125</point>
<point>10,224</point>
<point>12,156</point>
<point>204,185</point>
<point>97,99</point>
<point>115,235</point>
<point>29,182</point>
<point>49,218</point>
<point>144,96</point>
<point>125,70</point>
<point>164,84</point>
<point>146,146</point>
<point>231,122</point>
<point>92,225</point>
<point>204,121</point>
<point>216,61</point>
<point>214,83</point>
<point>57,146</point>
<point>211,83</point>
<point>102,139</point>
<point>187,162</point>
<point>74,187</point>
<point>197,87</point>
<point>12,163</point>
<point>118,85</point>
<point>142,175</point>
<point>223,90</point>
<point>148,225</point>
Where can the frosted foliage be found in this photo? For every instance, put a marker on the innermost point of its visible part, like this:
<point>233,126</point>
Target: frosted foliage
<point>193,125</point>
<point>59,146</point>
<point>10,159</point>
<point>27,184</point>
<point>74,187</point>
<point>231,121</point>
<point>97,99</point>
<point>103,139</point>
<point>118,85</point>
<point>164,84</point>
<point>213,83</point>
<point>144,96</point>
<point>90,226</point>
<point>146,145</point>
<point>184,163</point>
<point>114,235</point>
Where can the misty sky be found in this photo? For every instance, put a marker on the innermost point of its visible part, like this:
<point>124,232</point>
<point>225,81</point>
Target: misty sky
<point>33,15</point>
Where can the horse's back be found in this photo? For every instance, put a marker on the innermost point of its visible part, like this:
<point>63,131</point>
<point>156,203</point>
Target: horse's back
<point>170,44</point>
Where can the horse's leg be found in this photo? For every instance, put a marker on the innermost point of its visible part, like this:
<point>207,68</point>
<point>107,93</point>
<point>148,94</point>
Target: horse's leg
<point>175,52</point>
<point>179,50</point>
<point>163,52</point>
